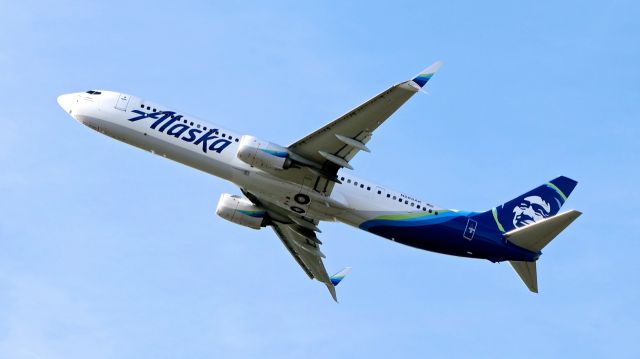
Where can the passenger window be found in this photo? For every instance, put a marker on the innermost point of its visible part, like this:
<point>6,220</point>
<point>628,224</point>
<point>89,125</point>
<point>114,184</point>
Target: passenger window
<point>198,126</point>
<point>430,211</point>
<point>348,181</point>
<point>148,108</point>
<point>379,192</point>
<point>341,178</point>
<point>388,195</point>
<point>355,183</point>
<point>191,123</point>
<point>237,140</point>
<point>406,202</point>
<point>394,198</point>
<point>141,106</point>
<point>205,128</point>
<point>361,186</point>
<point>154,110</point>
<point>369,189</point>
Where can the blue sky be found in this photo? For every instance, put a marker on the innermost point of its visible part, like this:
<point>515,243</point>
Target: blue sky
<point>107,251</point>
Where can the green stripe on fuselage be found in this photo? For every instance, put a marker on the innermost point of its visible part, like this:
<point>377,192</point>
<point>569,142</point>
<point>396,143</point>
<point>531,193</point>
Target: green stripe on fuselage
<point>409,216</point>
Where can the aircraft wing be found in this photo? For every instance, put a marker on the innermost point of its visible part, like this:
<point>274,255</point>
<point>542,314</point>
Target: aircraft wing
<point>298,234</point>
<point>335,144</point>
<point>304,246</point>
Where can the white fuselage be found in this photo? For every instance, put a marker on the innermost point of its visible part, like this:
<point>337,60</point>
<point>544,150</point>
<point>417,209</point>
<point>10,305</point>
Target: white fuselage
<point>293,189</point>
<point>353,201</point>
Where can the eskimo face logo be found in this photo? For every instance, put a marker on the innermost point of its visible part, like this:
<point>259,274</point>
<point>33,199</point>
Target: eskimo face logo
<point>178,128</point>
<point>540,203</point>
<point>531,209</point>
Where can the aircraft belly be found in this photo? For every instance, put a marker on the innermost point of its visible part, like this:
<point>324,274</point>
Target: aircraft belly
<point>285,194</point>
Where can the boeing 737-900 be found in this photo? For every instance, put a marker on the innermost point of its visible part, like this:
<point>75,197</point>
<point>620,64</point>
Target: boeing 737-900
<point>292,189</point>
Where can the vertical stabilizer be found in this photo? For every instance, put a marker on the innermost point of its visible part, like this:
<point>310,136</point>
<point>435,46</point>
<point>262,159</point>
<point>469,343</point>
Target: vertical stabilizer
<point>541,202</point>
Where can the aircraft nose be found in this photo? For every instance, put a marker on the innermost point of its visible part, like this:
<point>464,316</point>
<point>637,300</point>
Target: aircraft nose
<point>68,102</point>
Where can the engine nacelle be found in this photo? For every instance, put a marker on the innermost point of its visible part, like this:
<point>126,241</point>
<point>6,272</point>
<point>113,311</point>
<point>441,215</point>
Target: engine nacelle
<point>241,211</point>
<point>263,154</point>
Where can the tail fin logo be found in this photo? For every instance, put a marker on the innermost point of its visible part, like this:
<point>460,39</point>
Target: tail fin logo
<point>530,210</point>
<point>535,205</point>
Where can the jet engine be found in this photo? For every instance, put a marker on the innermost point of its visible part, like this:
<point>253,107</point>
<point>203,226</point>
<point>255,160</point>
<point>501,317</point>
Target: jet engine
<point>240,210</point>
<point>263,154</point>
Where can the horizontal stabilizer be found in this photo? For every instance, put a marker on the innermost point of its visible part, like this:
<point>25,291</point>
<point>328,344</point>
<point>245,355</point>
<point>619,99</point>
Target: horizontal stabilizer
<point>536,236</point>
<point>528,274</point>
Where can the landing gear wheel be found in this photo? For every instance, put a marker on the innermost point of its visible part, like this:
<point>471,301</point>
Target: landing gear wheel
<point>302,198</point>
<point>297,209</point>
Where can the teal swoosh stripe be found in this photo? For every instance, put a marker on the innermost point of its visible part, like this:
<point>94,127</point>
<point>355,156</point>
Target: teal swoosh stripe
<point>422,79</point>
<point>256,214</point>
<point>564,198</point>
<point>408,221</point>
<point>275,153</point>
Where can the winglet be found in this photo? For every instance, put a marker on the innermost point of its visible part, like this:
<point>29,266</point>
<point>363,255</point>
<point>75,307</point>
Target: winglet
<point>425,75</point>
<point>338,277</point>
<point>334,280</point>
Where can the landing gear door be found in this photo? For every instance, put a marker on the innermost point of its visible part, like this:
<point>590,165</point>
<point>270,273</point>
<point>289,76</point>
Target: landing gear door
<point>123,102</point>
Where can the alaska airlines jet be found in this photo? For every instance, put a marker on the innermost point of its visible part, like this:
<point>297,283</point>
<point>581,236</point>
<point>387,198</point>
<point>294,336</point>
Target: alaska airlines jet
<point>292,189</point>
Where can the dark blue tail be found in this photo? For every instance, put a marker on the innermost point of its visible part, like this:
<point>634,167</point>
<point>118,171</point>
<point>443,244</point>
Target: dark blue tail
<point>539,203</point>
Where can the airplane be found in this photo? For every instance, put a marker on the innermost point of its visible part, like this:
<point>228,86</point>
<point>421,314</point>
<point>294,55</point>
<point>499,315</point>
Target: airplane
<point>292,189</point>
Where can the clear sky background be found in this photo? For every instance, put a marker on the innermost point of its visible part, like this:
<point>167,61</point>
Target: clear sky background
<point>107,251</point>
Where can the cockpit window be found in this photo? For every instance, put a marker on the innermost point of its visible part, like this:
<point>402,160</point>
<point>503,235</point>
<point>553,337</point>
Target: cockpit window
<point>92,92</point>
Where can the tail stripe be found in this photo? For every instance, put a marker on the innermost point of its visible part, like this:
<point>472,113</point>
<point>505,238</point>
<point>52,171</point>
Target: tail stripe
<point>495,216</point>
<point>564,198</point>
